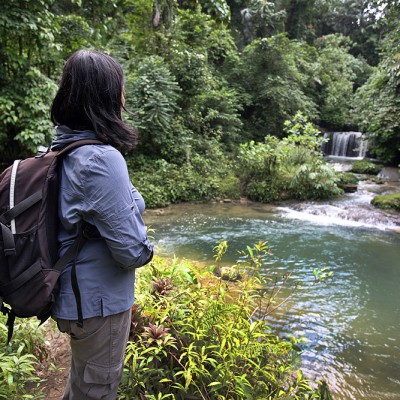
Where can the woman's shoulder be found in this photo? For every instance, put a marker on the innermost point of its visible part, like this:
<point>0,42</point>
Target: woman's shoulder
<point>92,160</point>
<point>94,153</point>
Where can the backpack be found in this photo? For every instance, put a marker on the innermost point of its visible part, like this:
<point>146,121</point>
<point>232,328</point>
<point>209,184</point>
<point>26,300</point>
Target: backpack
<point>29,262</point>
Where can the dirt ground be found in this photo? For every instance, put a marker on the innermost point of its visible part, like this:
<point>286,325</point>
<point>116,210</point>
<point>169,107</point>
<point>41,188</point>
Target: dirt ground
<point>54,369</point>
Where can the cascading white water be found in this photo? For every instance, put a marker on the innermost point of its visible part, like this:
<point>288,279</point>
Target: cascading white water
<point>345,144</point>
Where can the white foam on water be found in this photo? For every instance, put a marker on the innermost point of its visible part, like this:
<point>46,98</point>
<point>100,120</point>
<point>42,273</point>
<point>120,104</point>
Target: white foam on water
<point>327,215</point>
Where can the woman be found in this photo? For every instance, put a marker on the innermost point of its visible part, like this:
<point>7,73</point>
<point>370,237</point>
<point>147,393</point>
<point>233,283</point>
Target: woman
<point>95,189</point>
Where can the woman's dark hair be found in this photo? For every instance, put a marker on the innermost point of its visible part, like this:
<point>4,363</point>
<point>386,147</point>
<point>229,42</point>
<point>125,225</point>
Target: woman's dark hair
<point>89,97</point>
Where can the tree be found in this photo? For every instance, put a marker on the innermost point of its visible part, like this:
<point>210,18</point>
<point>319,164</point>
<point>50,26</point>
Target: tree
<point>27,33</point>
<point>153,99</point>
<point>274,73</point>
<point>337,73</point>
<point>361,21</point>
<point>261,19</point>
<point>300,15</point>
<point>378,101</point>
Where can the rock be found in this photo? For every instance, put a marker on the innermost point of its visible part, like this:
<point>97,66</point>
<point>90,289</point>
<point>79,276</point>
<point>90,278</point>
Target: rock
<point>349,188</point>
<point>365,166</point>
<point>390,201</point>
<point>390,174</point>
<point>230,273</point>
<point>159,211</point>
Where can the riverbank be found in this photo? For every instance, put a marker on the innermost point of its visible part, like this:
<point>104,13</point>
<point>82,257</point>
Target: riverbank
<point>353,209</point>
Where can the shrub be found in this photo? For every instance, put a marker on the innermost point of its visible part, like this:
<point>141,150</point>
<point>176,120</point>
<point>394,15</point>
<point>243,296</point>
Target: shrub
<point>200,178</point>
<point>365,167</point>
<point>316,181</point>
<point>348,182</point>
<point>266,191</point>
<point>346,178</point>
<point>19,359</point>
<point>195,336</point>
<point>289,168</point>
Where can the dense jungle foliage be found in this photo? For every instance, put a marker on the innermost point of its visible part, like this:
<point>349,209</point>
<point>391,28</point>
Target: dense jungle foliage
<point>222,91</point>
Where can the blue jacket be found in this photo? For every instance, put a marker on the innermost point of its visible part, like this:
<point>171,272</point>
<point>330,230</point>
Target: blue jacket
<point>95,187</point>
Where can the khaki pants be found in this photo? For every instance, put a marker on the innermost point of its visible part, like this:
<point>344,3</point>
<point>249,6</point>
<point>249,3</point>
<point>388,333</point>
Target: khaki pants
<point>97,356</point>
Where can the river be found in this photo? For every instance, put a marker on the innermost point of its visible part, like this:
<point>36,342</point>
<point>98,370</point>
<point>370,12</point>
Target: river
<point>351,323</point>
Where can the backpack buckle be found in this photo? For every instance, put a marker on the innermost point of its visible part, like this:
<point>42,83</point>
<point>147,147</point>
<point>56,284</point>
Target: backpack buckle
<point>42,151</point>
<point>3,309</point>
<point>9,252</point>
<point>8,240</point>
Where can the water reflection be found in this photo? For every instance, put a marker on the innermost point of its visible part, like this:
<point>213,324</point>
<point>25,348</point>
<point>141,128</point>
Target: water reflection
<point>351,325</point>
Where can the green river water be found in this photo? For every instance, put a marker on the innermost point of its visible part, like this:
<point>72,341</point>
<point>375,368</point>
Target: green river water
<point>352,323</point>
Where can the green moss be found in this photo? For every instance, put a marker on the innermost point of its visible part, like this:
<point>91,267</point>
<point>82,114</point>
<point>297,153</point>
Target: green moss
<point>346,178</point>
<point>390,201</point>
<point>348,182</point>
<point>366,167</point>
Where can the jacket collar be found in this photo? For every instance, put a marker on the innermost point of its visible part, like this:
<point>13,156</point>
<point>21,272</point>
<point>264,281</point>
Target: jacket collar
<point>65,135</point>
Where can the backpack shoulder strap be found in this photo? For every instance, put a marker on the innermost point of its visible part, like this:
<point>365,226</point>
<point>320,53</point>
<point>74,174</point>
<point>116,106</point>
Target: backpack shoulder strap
<point>72,253</point>
<point>73,250</point>
<point>77,144</point>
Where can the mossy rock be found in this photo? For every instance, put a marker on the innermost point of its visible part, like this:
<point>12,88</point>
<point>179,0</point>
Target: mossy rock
<point>387,202</point>
<point>347,179</point>
<point>366,167</point>
<point>348,182</point>
<point>231,274</point>
<point>349,188</point>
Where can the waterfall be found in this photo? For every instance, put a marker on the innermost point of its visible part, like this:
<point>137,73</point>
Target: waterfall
<point>345,144</point>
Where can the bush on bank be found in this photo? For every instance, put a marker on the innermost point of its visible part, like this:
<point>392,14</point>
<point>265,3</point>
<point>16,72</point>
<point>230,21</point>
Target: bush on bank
<point>269,171</point>
<point>348,182</point>
<point>199,178</point>
<point>197,336</point>
<point>366,167</point>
